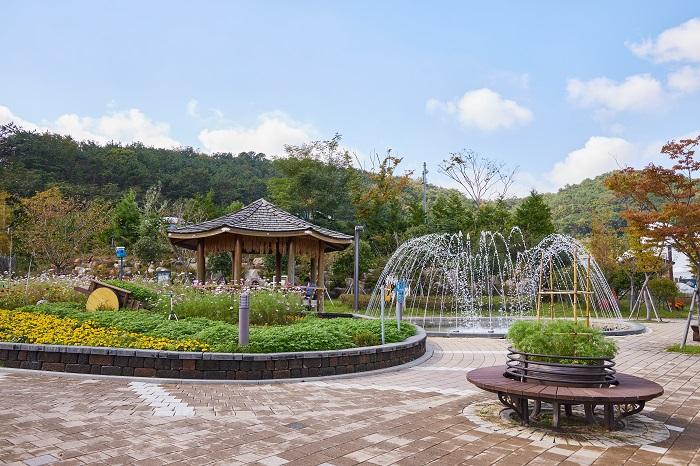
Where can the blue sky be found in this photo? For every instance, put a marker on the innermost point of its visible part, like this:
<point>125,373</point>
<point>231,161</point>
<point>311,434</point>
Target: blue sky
<point>562,90</point>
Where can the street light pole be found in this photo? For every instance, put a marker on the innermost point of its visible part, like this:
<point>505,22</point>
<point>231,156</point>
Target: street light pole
<point>356,274</point>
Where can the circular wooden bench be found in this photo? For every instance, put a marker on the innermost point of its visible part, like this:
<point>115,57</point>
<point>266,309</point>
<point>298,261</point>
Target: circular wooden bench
<point>630,395</point>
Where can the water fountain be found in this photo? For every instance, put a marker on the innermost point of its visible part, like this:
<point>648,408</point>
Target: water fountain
<point>456,285</point>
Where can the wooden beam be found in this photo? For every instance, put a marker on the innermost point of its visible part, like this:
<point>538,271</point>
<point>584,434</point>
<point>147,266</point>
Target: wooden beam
<point>201,266</point>
<point>291,265</point>
<point>237,262</point>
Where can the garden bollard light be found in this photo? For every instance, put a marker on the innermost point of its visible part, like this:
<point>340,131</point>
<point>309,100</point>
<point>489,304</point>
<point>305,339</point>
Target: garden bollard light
<point>244,319</point>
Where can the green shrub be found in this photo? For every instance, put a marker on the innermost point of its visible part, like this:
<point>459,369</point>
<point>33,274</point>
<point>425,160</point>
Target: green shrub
<point>266,307</point>
<point>366,338</point>
<point>148,297</point>
<point>560,337</point>
<point>19,293</point>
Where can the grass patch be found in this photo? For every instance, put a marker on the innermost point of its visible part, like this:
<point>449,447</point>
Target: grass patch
<point>688,349</point>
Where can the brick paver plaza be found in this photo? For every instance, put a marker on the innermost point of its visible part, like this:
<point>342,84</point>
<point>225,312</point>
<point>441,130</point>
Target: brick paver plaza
<point>415,415</point>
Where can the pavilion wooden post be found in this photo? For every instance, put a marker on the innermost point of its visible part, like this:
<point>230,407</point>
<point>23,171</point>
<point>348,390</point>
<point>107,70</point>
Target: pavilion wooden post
<point>237,262</point>
<point>201,269</point>
<point>278,263</point>
<point>291,263</point>
<point>312,271</point>
<point>321,277</point>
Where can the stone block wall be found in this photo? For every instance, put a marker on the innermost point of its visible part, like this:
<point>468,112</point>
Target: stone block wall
<point>231,366</point>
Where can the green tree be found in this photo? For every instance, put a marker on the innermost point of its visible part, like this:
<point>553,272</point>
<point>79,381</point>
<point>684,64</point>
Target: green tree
<point>663,289</point>
<point>493,216</point>
<point>312,183</point>
<point>344,265</point>
<point>234,206</point>
<point>450,214</point>
<point>534,219</point>
<point>152,244</point>
<point>220,263</point>
<point>205,205</point>
<point>5,222</point>
<point>56,229</point>
<point>378,197</point>
<point>126,220</point>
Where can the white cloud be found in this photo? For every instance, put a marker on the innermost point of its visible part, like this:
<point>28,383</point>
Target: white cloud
<point>273,131</point>
<point>680,43</point>
<point>599,155</point>
<point>6,116</point>
<point>638,92</point>
<point>123,126</point>
<point>192,108</point>
<point>483,109</point>
<point>686,79</point>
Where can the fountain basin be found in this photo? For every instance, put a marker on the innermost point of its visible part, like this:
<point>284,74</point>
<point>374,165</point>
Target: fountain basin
<point>498,326</point>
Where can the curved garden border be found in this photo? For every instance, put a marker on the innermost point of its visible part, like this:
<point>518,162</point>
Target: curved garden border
<point>213,366</point>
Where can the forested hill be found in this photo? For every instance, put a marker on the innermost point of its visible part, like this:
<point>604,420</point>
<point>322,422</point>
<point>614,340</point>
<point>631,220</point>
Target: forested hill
<point>32,162</point>
<point>575,206</point>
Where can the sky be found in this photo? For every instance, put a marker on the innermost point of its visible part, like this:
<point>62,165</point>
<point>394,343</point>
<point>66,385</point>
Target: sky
<point>561,90</point>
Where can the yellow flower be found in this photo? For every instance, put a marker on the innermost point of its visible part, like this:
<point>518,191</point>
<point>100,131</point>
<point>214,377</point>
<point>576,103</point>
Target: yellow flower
<point>47,329</point>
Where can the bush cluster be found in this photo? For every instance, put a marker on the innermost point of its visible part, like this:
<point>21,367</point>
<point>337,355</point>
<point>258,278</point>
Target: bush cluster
<point>19,293</point>
<point>148,297</point>
<point>561,337</point>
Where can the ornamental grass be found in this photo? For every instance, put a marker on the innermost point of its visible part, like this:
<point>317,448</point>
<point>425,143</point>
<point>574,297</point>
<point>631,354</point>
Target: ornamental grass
<point>27,327</point>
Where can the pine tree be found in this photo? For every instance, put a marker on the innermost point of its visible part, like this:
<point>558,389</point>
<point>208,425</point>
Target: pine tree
<point>126,220</point>
<point>534,219</point>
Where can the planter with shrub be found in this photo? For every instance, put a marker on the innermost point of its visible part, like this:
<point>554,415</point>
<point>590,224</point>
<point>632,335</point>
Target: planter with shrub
<point>560,352</point>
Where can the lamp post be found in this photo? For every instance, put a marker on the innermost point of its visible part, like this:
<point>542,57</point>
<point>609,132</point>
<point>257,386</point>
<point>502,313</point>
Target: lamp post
<point>356,274</point>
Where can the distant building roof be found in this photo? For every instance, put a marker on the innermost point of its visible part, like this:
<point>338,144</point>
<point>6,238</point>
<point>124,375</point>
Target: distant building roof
<point>260,218</point>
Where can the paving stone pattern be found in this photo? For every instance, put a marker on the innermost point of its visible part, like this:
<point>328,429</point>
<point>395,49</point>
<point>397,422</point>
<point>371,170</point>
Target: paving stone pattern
<point>411,416</point>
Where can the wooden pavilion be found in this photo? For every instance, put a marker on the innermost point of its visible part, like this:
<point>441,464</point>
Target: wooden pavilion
<point>262,228</point>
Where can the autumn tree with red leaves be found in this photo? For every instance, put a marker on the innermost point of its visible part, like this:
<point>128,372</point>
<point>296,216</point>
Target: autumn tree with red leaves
<point>667,202</point>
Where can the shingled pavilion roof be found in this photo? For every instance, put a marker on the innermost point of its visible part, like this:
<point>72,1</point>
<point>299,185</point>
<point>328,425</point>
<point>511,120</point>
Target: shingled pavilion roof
<point>259,219</point>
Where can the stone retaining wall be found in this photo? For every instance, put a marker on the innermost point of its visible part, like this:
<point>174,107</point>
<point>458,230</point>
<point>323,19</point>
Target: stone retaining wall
<point>231,366</point>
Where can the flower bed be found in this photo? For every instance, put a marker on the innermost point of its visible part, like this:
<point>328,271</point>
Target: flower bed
<point>306,334</point>
<point>27,327</point>
<point>62,337</point>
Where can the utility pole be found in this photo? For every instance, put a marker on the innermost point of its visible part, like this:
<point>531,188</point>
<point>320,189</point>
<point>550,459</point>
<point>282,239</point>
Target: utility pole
<point>425,191</point>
